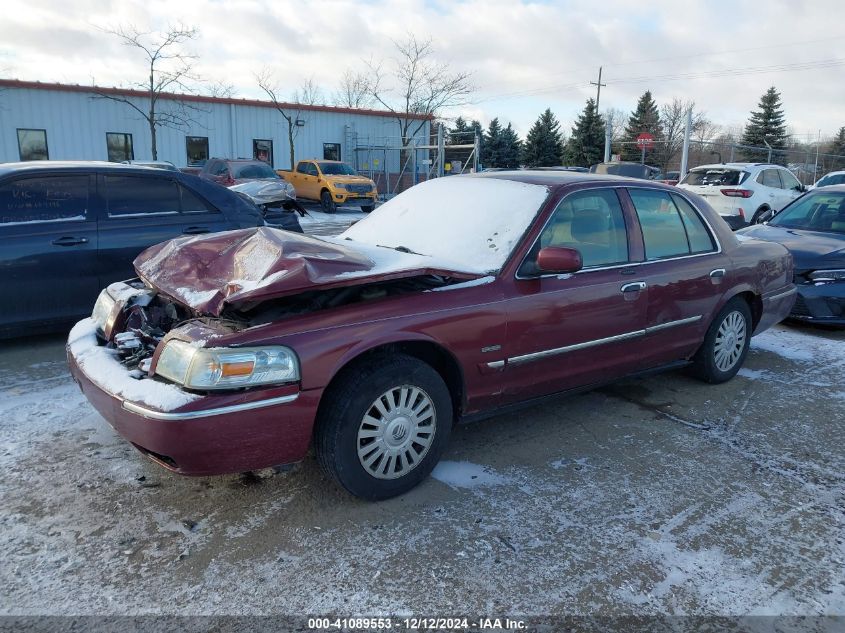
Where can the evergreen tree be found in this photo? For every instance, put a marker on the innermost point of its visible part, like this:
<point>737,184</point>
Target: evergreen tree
<point>458,132</point>
<point>838,145</point>
<point>543,146</point>
<point>511,148</point>
<point>492,145</point>
<point>766,124</point>
<point>646,118</point>
<point>586,144</point>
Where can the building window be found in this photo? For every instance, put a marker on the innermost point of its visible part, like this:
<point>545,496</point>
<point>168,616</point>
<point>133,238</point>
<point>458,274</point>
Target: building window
<point>32,145</point>
<point>331,151</point>
<point>119,146</point>
<point>197,149</point>
<point>262,149</point>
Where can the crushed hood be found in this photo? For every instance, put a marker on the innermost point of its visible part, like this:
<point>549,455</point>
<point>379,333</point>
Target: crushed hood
<point>209,272</point>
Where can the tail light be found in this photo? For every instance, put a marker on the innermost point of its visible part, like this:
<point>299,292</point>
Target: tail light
<point>737,193</point>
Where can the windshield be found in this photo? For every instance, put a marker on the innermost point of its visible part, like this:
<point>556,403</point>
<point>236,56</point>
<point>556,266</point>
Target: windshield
<point>814,212</point>
<point>832,179</point>
<point>468,223</point>
<point>714,177</point>
<point>337,169</point>
<point>253,170</point>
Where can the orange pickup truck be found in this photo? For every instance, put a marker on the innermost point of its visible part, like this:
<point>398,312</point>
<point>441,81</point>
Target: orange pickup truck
<point>332,183</point>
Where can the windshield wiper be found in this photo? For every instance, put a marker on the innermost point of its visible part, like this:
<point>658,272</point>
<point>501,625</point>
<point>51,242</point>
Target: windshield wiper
<point>400,248</point>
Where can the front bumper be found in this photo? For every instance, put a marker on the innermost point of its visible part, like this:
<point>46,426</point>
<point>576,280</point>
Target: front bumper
<point>205,435</point>
<point>348,197</point>
<point>820,303</point>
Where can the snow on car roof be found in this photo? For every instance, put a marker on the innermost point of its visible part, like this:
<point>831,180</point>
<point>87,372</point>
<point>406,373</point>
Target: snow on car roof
<point>473,222</point>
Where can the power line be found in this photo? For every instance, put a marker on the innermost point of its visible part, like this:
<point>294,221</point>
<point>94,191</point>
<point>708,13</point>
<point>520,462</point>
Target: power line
<point>725,72</point>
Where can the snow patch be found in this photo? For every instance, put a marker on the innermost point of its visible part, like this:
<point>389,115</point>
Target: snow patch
<point>475,222</point>
<point>791,345</point>
<point>100,365</point>
<point>753,374</point>
<point>467,475</point>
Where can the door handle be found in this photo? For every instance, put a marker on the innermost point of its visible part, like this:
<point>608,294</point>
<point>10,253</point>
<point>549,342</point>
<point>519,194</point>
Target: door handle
<point>196,230</point>
<point>717,273</point>
<point>634,286</point>
<point>70,241</point>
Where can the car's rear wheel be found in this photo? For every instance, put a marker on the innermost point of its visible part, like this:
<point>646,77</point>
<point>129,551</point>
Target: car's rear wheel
<point>326,203</point>
<point>726,343</point>
<point>366,208</point>
<point>384,426</point>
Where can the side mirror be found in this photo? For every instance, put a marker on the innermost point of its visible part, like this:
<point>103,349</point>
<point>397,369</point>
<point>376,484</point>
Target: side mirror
<point>558,260</point>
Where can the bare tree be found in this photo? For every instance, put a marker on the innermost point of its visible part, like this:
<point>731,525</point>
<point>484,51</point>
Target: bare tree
<point>615,120</point>
<point>415,84</point>
<point>309,93</point>
<point>704,135</point>
<point>221,90</point>
<point>169,68</point>
<point>673,118</point>
<point>292,113</point>
<point>353,91</point>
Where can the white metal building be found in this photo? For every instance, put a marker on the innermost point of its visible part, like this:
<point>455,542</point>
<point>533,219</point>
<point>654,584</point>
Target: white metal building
<point>71,122</point>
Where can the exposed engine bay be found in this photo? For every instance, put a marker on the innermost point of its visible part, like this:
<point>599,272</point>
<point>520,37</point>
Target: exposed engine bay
<point>146,316</point>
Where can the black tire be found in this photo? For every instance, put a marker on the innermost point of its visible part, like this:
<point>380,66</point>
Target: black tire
<point>367,208</point>
<point>326,203</point>
<point>710,363</point>
<point>761,215</point>
<point>342,417</point>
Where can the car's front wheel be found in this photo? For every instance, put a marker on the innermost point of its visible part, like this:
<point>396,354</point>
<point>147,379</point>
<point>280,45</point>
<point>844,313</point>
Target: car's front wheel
<point>726,343</point>
<point>384,426</point>
<point>326,203</point>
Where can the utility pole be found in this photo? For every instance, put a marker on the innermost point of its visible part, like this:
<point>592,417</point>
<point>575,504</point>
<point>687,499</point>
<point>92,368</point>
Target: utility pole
<point>598,84</point>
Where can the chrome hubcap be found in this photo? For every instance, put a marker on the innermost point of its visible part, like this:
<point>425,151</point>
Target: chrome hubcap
<point>730,341</point>
<point>396,432</point>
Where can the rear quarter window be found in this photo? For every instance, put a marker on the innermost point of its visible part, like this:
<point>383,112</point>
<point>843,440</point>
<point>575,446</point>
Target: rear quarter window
<point>44,199</point>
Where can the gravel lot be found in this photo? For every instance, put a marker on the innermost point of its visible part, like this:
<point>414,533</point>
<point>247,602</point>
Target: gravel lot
<point>659,495</point>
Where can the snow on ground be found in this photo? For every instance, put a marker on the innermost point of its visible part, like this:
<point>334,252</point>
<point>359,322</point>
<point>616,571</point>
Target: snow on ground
<point>319,223</point>
<point>659,495</point>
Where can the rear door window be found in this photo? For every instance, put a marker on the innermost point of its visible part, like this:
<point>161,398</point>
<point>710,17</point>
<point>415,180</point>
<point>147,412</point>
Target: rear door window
<point>700,240</point>
<point>664,230</point>
<point>138,195</point>
<point>58,198</point>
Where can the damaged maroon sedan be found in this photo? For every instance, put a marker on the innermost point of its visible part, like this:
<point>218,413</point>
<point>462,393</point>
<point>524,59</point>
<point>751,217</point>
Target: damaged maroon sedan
<point>239,350</point>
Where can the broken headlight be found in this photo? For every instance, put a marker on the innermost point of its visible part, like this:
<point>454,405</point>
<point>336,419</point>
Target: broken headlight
<point>104,313</point>
<point>226,368</point>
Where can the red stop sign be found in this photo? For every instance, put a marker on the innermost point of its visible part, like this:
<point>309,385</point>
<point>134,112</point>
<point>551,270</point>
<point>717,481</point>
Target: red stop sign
<point>645,140</point>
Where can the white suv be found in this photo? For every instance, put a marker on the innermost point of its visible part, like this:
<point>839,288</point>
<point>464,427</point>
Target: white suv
<point>744,193</point>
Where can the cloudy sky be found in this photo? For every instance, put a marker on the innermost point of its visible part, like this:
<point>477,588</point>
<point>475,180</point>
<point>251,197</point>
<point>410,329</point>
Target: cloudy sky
<point>524,56</point>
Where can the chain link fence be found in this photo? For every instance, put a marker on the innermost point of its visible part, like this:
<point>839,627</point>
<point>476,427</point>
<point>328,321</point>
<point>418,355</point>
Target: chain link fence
<point>807,163</point>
